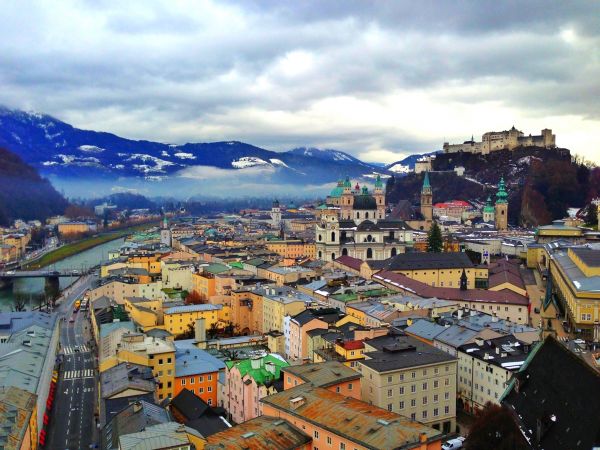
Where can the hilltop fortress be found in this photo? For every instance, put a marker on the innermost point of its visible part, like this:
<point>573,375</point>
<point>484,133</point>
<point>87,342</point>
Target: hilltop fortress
<point>503,140</point>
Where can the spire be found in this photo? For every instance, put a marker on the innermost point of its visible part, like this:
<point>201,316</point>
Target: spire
<point>378,183</point>
<point>365,190</point>
<point>347,182</point>
<point>488,205</point>
<point>463,281</point>
<point>357,188</point>
<point>426,184</point>
<point>501,195</point>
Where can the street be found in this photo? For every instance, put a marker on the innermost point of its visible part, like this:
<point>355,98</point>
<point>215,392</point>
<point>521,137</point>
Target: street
<point>72,423</point>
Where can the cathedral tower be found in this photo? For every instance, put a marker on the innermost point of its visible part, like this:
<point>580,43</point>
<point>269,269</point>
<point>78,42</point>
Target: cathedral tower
<point>347,200</point>
<point>379,195</point>
<point>501,209</point>
<point>426,199</point>
<point>488,211</point>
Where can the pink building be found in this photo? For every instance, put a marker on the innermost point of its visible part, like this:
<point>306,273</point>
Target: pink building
<point>302,323</point>
<point>248,381</point>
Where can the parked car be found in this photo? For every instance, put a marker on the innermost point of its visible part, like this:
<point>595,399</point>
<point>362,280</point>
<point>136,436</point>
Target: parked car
<point>453,444</point>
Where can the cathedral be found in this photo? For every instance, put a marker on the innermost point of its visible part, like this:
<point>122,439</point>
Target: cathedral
<point>497,214</point>
<point>353,222</point>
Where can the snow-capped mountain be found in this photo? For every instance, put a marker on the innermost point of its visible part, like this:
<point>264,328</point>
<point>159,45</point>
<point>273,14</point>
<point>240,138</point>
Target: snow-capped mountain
<point>61,150</point>
<point>407,164</point>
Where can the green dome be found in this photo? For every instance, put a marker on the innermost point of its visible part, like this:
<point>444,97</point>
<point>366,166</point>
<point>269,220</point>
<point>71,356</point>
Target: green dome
<point>378,183</point>
<point>488,208</point>
<point>338,190</point>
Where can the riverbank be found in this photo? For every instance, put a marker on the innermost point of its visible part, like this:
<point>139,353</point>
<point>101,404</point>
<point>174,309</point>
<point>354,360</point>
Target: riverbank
<point>85,244</point>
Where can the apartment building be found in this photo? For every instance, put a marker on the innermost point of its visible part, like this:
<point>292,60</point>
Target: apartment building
<point>412,378</point>
<point>485,368</point>
<point>331,375</point>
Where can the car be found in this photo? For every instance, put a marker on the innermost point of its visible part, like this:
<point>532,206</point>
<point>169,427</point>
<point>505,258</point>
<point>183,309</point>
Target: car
<point>579,341</point>
<point>453,444</point>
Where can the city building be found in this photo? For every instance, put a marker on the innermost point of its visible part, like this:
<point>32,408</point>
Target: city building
<point>190,410</point>
<point>503,140</point>
<point>261,433</point>
<point>199,372</point>
<point>169,435</point>
<point>484,369</point>
<point>339,422</point>
<point>409,377</point>
<point>180,319</point>
<point>501,208</point>
<point>555,412</point>
<point>331,375</point>
<point>296,344</point>
<point>18,417</point>
<point>355,225</point>
<point>248,381</point>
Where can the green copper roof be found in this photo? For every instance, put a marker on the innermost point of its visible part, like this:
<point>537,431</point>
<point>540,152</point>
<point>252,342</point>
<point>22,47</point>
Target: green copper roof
<point>347,183</point>
<point>338,190</point>
<point>365,190</point>
<point>488,208</point>
<point>426,184</point>
<point>501,196</point>
<point>260,375</point>
<point>378,183</point>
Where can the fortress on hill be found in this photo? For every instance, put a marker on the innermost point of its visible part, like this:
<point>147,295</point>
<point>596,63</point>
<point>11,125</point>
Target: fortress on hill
<point>503,140</point>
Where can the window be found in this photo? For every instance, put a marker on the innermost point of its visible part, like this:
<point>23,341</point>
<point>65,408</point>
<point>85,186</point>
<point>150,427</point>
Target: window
<point>413,416</point>
<point>402,404</point>
<point>328,440</point>
<point>425,414</point>
<point>192,380</point>
<point>168,360</point>
<point>390,379</point>
<point>389,406</point>
<point>183,382</point>
<point>413,388</point>
<point>413,402</point>
<point>349,386</point>
<point>316,434</point>
<point>160,361</point>
<point>401,377</point>
<point>413,375</point>
<point>446,410</point>
<point>168,384</point>
<point>435,398</point>
<point>201,390</point>
<point>436,412</point>
<point>210,389</point>
<point>402,390</point>
<point>436,384</point>
<point>447,381</point>
<point>389,393</point>
<point>201,379</point>
<point>342,446</point>
<point>425,400</point>
<point>424,386</point>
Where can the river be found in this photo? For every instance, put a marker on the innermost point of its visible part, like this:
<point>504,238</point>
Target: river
<point>80,261</point>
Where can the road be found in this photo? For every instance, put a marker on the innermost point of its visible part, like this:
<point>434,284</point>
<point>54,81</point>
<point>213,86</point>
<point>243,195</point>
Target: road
<point>72,423</point>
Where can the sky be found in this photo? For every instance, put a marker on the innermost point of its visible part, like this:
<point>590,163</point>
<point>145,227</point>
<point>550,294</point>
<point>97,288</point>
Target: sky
<point>379,80</point>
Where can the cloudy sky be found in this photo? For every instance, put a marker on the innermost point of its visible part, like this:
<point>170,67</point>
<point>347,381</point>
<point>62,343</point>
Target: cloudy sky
<point>376,79</point>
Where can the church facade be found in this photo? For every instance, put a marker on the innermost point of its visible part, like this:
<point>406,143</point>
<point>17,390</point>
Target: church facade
<point>353,222</point>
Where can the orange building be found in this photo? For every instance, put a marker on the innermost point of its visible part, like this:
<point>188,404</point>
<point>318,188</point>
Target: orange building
<point>331,375</point>
<point>292,248</point>
<point>198,372</point>
<point>204,284</point>
<point>247,311</point>
<point>338,422</point>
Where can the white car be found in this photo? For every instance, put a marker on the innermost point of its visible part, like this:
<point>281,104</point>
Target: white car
<point>453,444</point>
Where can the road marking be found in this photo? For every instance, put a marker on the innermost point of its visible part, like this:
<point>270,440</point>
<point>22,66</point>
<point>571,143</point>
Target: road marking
<point>71,350</point>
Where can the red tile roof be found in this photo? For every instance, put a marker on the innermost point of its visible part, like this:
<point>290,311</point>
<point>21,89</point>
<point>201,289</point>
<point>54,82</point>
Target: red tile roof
<point>401,282</point>
<point>352,345</point>
<point>349,261</point>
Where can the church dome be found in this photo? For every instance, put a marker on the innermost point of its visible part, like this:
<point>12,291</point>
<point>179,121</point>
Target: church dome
<point>365,202</point>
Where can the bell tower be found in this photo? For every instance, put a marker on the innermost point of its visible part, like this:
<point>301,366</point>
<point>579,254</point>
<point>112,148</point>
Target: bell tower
<point>347,200</point>
<point>501,208</point>
<point>426,198</point>
<point>379,196</point>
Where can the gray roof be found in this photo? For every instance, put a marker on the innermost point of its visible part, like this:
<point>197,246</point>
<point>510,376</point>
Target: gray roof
<point>124,376</point>
<point>580,281</point>
<point>398,351</point>
<point>156,437</point>
<point>194,361</point>
<point>425,329</point>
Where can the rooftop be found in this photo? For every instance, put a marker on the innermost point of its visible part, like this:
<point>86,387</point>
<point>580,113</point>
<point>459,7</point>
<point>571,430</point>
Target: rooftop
<point>398,351</point>
<point>419,261</point>
<point>193,308</point>
<point>262,370</point>
<point>323,374</point>
<point>157,437</point>
<point>194,361</point>
<point>506,352</point>
<point>364,424</point>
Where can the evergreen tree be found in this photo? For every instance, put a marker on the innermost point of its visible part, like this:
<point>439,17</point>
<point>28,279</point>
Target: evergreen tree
<point>435,242</point>
<point>591,217</point>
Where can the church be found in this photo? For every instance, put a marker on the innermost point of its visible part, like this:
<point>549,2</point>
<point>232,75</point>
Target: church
<point>353,222</point>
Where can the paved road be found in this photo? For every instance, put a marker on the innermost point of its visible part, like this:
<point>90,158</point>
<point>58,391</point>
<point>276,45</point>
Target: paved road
<point>72,422</point>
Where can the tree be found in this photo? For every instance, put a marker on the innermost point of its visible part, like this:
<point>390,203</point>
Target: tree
<point>190,333</point>
<point>435,243</point>
<point>212,331</point>
<point>19,303</point>
<point>591,217</point>
<point>495,428</point>
<point>194,298</point>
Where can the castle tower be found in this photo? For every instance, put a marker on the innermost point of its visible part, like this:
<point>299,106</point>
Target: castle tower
<point>379,195</point>
<point>276,214</point>
<point>488,211</point>
<point>347,200</point>
<point>426,199</point>
<point>501,208</point>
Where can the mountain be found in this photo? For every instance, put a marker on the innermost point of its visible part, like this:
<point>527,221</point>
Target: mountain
<point>542,183</point>
<point>72,157</point>
<point>407,164</point>
<point>23,193</point>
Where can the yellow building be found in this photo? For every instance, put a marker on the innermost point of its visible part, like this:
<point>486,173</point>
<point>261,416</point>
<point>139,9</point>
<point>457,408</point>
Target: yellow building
<point>146,313</point>
<point>70,228</point>
<point>204,284</point>
<point>179,319</point>
<point>558,230</point>
<point>158,354</point>
<point>120,290</point>
<point>433,269</point>
<point>575,274</point>
<point>295,248</point>
<point>18,415</point>
<point>17,240</point>
<point>278,303</point>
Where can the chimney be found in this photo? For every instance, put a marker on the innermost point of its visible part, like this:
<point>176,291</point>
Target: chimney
<point>256,362</point>
<point>297,402</point>
<point>200,330</point>
<point>460,313</point>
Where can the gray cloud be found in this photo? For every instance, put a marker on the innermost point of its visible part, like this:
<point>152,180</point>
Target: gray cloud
<point>369,78</point>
